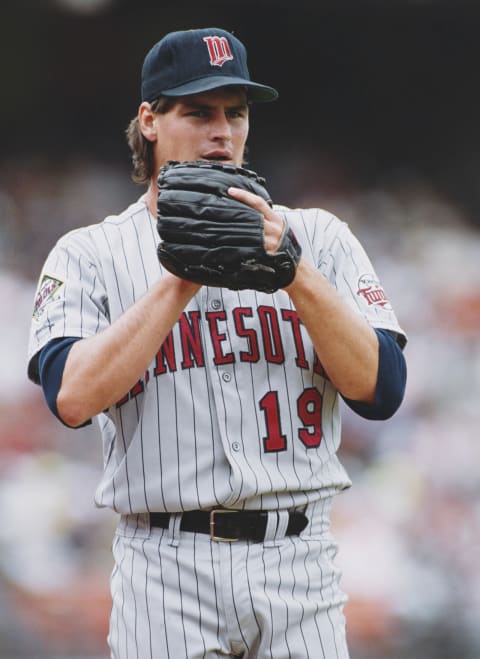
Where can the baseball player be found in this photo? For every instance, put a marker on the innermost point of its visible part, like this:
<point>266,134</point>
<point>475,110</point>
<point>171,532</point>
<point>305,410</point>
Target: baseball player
<point>210,333</point>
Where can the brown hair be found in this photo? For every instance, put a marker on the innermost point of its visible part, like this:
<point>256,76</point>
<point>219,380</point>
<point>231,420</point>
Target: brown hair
<point>141,148</point>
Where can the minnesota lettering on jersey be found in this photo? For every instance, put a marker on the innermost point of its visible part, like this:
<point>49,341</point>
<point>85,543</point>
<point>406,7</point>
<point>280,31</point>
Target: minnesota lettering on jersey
<point>263,342</point>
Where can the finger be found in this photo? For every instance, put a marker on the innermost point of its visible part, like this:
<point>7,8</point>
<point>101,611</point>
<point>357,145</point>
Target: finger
<point>248,198</point>
<point>254,201</point>
<point>273,224</point>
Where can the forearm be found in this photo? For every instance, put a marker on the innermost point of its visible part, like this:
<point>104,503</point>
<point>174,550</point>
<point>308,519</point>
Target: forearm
<point>100,369</point>
<point>345,344</point>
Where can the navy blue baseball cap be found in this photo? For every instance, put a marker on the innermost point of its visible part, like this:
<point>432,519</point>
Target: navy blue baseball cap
<point>194,61</point>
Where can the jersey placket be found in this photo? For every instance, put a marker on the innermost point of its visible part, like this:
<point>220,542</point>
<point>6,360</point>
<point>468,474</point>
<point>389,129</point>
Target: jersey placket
<point>221,366</point>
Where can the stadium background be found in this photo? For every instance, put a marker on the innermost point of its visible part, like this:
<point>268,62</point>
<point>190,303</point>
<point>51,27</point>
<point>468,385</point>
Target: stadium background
<point>377,121</point>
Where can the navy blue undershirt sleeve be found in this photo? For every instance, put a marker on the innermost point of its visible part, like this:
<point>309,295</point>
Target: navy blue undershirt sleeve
<point>51,363</point>
<point>390,390</point>
<point>391,381</point>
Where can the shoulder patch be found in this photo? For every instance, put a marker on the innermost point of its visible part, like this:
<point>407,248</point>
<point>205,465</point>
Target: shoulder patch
<point>371,290</point>
<point>46,291</point>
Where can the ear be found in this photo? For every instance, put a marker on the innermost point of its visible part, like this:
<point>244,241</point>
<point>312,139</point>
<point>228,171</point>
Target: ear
<point>146,122</point>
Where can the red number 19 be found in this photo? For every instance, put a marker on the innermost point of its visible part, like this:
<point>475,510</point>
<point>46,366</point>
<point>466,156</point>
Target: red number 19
<point>309,410</point>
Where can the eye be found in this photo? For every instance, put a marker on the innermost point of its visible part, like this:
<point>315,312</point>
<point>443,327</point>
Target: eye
<point>197,113</point>
<point>236,113</point>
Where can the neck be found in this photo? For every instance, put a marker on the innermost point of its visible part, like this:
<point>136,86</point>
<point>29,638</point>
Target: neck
<point>151,197</point>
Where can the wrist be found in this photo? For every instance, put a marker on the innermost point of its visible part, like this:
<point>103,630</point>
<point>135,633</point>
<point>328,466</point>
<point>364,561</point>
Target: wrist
<point>303,276</point>
<point>178,286</point>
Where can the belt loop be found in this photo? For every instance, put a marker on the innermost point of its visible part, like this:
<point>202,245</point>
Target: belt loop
<point>276,527</point>
<point>174,529</point>
<point>283,519</point>
<point>271,529</point>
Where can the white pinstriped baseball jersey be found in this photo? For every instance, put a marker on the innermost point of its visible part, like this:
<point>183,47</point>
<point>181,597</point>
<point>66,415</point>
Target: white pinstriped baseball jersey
<point>235,409</point>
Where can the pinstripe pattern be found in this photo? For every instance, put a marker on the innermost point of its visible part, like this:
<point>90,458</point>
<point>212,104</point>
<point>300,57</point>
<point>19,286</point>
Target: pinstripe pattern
<point>193,435</point>
<point>276,600</point>
<point>234,411</point>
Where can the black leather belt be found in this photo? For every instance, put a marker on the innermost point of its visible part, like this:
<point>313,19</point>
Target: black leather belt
<point>229,525</point>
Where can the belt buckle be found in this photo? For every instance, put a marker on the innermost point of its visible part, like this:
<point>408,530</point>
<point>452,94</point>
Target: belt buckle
<point>219,511</point>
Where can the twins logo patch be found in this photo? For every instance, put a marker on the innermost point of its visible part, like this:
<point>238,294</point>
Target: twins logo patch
<point>371,290</point>
<point>219,50</point>
<point>47,289</point>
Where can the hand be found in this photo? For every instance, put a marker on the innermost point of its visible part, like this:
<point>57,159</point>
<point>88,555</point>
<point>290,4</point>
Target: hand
<point>274,226</point>
<point>218,228</point>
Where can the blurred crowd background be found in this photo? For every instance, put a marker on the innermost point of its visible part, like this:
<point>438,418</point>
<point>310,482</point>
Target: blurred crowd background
<point>377,121</point>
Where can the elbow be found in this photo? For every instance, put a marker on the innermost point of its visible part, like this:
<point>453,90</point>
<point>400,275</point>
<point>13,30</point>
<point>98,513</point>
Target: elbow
<point>61,394</point>
<point>390,386</point>
<point>382,409</point>
<point>70,410</point>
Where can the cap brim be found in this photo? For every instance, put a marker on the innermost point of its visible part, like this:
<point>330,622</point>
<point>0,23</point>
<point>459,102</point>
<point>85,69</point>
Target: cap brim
<point>256,92</point>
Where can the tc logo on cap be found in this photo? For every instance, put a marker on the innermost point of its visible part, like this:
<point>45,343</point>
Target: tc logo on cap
<point>219,50</point>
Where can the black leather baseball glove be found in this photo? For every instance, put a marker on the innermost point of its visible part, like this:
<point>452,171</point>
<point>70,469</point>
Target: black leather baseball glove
<point>210,238</point>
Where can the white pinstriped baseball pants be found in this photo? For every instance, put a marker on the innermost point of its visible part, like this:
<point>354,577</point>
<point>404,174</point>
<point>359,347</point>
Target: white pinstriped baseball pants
<point>179,595</point>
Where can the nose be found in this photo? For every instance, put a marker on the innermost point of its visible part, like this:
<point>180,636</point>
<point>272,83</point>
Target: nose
<point>220,128</point>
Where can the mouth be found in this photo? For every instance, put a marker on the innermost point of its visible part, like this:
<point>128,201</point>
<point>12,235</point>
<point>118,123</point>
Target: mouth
<point>216,157</point>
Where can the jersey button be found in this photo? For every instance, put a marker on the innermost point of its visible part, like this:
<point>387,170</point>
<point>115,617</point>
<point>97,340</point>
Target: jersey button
<point>216,304</point>
<point>235,446</point>
<point>226,377</point>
